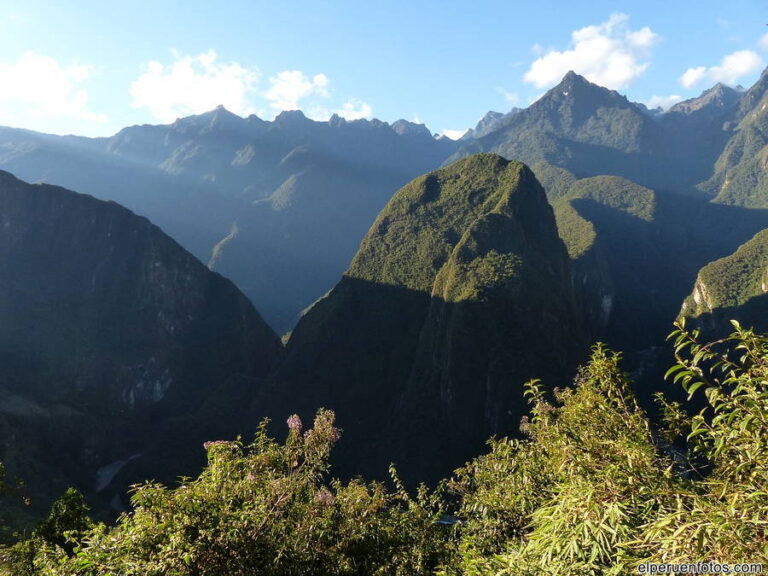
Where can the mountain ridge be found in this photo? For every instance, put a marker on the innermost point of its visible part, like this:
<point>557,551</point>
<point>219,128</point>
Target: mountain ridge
<point>201,175</point>
<point>450,247</point>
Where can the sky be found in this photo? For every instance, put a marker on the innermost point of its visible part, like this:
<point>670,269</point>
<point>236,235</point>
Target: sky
<point>91,68</point>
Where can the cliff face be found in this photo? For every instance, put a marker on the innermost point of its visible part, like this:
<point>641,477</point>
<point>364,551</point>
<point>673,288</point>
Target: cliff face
<point>459,293</point>
<point>109,330</point>
<point>733,287</point>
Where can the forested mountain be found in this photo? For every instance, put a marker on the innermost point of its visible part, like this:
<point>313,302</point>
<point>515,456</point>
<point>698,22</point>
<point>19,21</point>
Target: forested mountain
<point>280,207</point>
<point>739,177</point>
<point>460,292</point>
<point>591,131</point>
<point>731,288</point>
<point>632,193</point>
<point>636,252</point>
<point>117,347</point>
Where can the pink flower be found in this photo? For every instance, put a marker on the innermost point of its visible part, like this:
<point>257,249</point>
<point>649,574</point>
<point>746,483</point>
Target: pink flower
<point>211,443</point>
<point>294,423</point>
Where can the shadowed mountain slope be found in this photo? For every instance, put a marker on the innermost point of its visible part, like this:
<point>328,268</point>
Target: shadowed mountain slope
<point>109,332</point>
<point>459,293</point>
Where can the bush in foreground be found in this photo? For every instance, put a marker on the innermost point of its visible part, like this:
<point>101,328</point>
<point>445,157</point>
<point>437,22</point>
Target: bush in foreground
<point>592,488</point>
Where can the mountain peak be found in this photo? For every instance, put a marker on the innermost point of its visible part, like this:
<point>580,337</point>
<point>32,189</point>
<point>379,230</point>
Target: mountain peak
<point>713,100</point>
<point>571,76</point>
<point>581,97</point>
<point>287,117</point>
<point>571,80</point>
<point>754,95</point>
<point>404,127</point>
<point>336,120</point>
<point>218,118</point>
<point>221,117</point>
<point>574,88</point>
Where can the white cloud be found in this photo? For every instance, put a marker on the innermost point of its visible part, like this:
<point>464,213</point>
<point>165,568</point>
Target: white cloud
<point>36,89</point>
<point>609,54</point>
<point>693,76</point>
<point>291,86</point>
<point>453,134</point>
<point>316,112</point>
<point>355,109</point>
<point>731,68</point>
<point>194,84</point>
<point>509,97</point>
<point>663,102</point>
<point>763,42</point>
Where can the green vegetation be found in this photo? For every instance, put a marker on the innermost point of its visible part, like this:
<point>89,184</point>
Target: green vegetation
<point>472,280</point>
<point>617,193</point>
<point>418,229</point>
<point>739,173</point>
<point>578,233</point>
<point>582,483</point>
<point>743,184</point>
<point>556,181</point>
<point>59,534</point>
<point>265,508</point>
<point>593,488</point>
<point>577,227</point>
<point>731,281</point>
<point>636,253</point>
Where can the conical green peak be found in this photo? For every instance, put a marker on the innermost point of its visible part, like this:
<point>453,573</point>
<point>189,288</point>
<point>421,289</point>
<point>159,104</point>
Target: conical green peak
<point>417,231</point>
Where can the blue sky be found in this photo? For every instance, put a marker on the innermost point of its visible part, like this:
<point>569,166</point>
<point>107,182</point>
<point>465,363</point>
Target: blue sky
<point>91,68</point>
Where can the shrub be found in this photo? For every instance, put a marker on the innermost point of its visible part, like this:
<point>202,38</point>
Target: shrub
<point>266,509</point>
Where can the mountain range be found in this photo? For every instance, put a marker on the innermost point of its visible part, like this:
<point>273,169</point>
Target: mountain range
<point>279,207</point>
<point>419,281</point>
